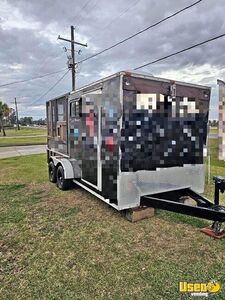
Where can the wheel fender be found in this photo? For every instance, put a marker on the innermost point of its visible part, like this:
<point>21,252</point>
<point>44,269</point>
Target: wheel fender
<point>67,166</point>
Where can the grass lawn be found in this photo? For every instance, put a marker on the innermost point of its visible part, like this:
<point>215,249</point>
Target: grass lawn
<point>26,131</point>
<point>24,136</point>
<point>23,141</point>
<point>70,245</point>
<point>213,130</point>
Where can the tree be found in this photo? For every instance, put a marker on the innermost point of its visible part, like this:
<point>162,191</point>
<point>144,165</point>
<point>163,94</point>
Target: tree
<point>214,123</point>
<point>26,121</point>
<point>12,117</point>
<point>4,113</point>
<point>39,122</point>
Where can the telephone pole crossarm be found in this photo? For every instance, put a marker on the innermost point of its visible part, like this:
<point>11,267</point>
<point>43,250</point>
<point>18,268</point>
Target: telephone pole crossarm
<point>77,43</point>
<point>73,43</point>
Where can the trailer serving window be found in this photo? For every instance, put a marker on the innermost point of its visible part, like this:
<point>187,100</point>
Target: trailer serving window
<point>53,118</point>
<point>61,120</point>
<point>49,120</point>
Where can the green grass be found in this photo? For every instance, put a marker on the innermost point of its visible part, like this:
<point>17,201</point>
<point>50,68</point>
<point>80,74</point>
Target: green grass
<point>24,136</point>
<point>25,131</point>
<point>213,130</point>
<point>70,245</point>
<point>217,168</point>
<point>24,169</point>
<point>23,141</point>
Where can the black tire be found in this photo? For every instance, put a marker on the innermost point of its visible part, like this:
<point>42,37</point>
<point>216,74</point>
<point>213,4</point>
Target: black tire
<point>61,182</point>
<point>52,172</point>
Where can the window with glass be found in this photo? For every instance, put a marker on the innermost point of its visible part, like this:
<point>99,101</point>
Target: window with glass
<point>61,114</point>
<point>75,108</point>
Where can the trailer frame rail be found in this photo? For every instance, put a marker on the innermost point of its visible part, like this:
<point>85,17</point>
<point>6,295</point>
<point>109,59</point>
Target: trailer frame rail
<point>204,208</point>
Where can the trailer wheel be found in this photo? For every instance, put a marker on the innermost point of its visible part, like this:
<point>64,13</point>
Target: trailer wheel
<point>61,182</point>
<point>52,172</point>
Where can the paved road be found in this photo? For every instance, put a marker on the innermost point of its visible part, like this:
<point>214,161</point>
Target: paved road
<point>21,150</point>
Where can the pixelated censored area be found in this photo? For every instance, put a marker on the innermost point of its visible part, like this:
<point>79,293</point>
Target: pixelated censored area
<point>94,135</point>
<point>84,134</point>
<point>221,120</point>
<point>161,132</point>
<point>111,114</point>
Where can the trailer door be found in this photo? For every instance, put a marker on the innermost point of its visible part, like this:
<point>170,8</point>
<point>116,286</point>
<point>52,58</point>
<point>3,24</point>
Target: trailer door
<point>87,137</point>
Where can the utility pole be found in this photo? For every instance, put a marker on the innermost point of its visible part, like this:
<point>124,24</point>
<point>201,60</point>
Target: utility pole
<point>73,61</point>
<point>17,118</point>
<point>73,58</point>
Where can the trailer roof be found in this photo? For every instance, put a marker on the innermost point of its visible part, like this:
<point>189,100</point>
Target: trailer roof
<point>150,76</point>
<point>58,97</point>
<point>132,74</point>
<point>140,75</point>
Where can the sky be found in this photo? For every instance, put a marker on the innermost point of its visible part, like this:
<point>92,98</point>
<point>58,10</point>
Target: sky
<point>29,44</point>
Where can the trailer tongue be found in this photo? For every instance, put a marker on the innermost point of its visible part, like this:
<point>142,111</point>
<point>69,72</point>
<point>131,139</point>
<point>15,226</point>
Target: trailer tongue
<point>204,209</point>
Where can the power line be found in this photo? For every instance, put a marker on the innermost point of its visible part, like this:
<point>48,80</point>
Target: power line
<point>121,14</point>
<point>47,57</point>
<point>51,88</point>
<point>178,52</point>
<point>96,54</point>
<point>83,7</point>
<point>32,78</point>
<point>139,32</point>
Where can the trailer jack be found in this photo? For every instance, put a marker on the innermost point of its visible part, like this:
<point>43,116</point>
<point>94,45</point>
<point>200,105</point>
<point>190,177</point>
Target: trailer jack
<point>204,208</point>
<point>215,230</point>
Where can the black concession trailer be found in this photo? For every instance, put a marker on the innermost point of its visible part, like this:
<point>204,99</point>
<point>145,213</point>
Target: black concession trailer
<point>131,140</point>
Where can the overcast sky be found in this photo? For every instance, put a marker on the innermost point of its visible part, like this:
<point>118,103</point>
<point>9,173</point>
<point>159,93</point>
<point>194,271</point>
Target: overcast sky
<point>29,45</point>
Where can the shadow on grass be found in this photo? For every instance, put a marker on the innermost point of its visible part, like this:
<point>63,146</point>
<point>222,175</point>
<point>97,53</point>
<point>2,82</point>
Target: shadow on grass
<point>11,187</point>
<point>12,216</point>
<point>14,194</point>
<point>182,219</point>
